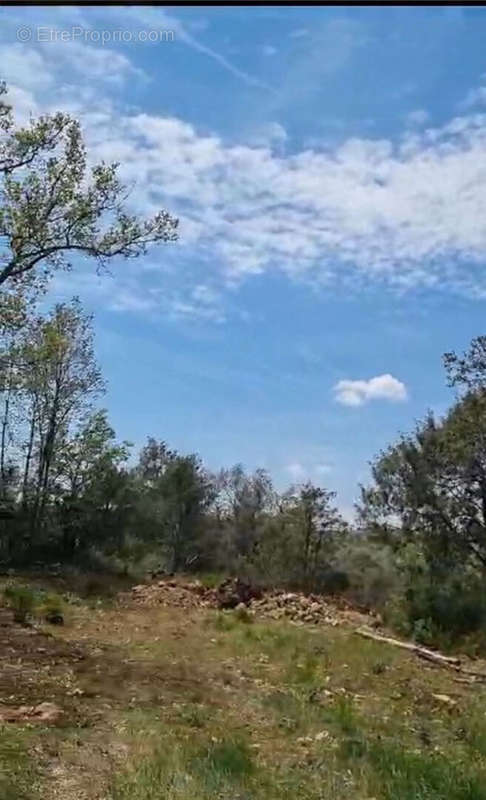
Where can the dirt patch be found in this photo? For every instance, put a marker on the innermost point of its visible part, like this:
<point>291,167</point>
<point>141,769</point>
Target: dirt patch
<point>44,713</point>
<point>35,667</point>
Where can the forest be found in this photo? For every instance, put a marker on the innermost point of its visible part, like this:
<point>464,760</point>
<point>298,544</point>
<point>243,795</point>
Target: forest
<point>74,496</point>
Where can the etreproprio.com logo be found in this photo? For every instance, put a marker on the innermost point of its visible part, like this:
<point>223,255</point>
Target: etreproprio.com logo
<point>92,36</point>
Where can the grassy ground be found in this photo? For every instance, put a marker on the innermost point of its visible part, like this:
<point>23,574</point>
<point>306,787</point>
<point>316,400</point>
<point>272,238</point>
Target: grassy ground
<point>167,704</point>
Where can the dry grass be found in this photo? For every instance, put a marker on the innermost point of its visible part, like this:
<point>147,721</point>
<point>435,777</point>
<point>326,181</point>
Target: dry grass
<point>166,703</point>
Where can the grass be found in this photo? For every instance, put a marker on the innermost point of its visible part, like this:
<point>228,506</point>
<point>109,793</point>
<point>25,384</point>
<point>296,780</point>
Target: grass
<point>18,770</point>
<point>179,773</point>
<point>170,704</point>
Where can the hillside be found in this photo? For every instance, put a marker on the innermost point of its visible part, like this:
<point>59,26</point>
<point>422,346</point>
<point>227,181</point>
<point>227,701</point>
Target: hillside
<point>150,701</point>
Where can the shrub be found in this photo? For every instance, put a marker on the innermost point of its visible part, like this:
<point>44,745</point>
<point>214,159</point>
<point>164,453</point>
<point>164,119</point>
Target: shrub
<point>372,575</point>
<point>446,608</point>
<point>52,608</point>
<point>22,600</point>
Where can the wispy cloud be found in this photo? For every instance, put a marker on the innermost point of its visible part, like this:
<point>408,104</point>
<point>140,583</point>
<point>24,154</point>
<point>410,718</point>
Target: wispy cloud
<point>169,22</point>
<point>300,472</point>
<point>358,392</point>
<point>296,471</point>
<point>408,214</point>
<point>474,97</point>
<point>417,118</point>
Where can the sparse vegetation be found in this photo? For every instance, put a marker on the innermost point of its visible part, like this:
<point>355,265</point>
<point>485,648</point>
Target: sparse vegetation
<point>19,774</point>
<point>170,703</point>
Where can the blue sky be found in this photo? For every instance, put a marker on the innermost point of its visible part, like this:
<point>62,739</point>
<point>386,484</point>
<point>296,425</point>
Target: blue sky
<point>328,166</point>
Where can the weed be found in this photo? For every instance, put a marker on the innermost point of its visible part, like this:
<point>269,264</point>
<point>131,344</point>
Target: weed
<point>344,715</point>
<point>196,716</point>
<point>243,615</point>
<point>223,621</point>
<point>302,667</point>
<point>230,759</point>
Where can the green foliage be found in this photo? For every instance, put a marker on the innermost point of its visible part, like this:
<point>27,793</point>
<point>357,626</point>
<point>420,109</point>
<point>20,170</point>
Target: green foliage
<point>51,606</point>
<point>28,603</point>
<point>210,580</point>
<point>22,600</point>
<point>428,502</point>
<point>448,609</point>
<point>54,206</point>
<point>373,577</point>
<point>174,491</point>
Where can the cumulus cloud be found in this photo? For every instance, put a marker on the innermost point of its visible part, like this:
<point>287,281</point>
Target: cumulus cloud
<point>358,392</point>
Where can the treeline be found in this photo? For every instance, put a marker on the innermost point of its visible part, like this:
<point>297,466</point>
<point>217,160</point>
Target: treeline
<point>70,492</point>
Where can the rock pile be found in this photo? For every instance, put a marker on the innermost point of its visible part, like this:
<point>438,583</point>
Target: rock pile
<point>234,593</point>
<point>297,607</point>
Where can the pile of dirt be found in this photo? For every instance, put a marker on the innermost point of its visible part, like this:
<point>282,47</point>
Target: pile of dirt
<point>173,593</point>
<point>234,593</point>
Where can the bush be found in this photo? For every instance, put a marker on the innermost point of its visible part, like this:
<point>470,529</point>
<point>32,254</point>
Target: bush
<point>22,600</point>
<point>52,608</point>
<point>370,570</point>
<point>446,609</point>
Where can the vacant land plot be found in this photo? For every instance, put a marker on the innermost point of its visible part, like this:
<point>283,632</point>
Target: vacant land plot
<point>154,703</point>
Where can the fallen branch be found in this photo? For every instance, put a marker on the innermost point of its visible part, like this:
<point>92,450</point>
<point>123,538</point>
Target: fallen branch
<point>446,661</point>
<point>451,662</point>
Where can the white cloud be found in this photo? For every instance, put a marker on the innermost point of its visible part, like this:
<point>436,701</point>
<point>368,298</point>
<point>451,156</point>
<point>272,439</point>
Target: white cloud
<point>298,33</point>
<point>25,66</point>
<point>358,392</point>
<point>474,97</point>
<point>408,214</point>
<point>322,469</point>
<point>296,471</point>
<point>417,118</point>
<point>159,18</point>
<point>269,50</point>
<point>365,211</point>
<point>300,472</point>
<point>272,134</point>
<point>36,69</point>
